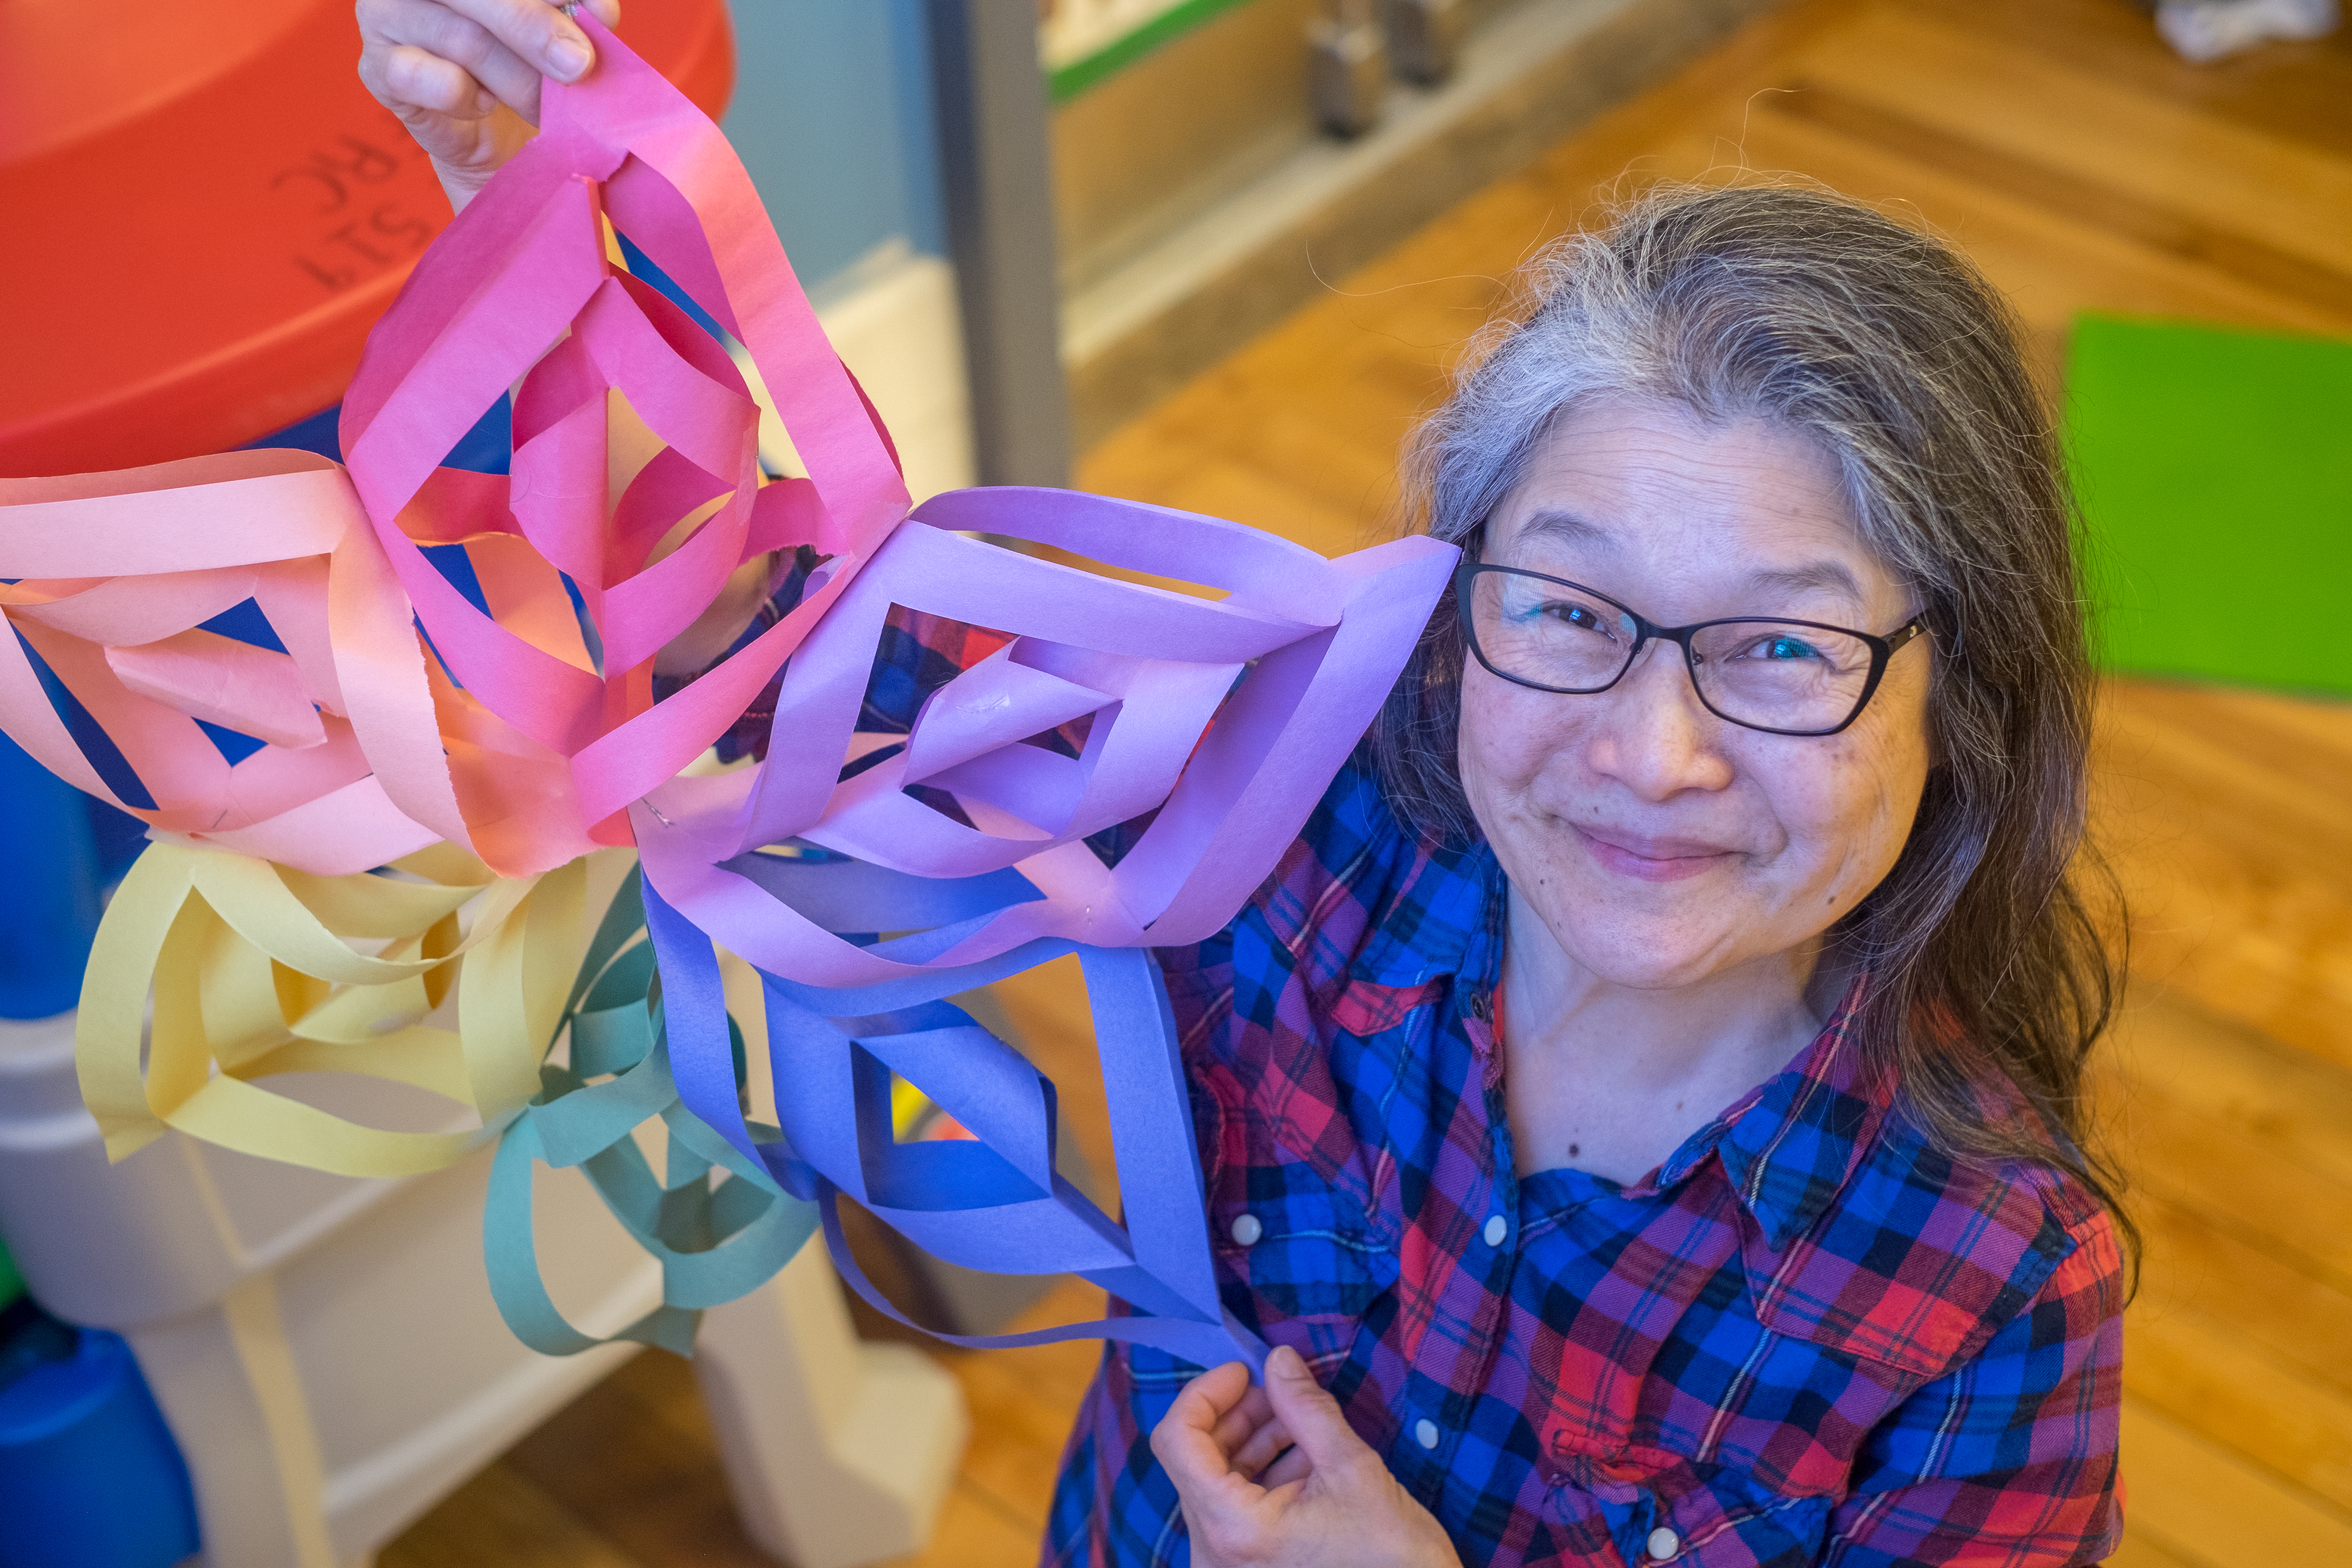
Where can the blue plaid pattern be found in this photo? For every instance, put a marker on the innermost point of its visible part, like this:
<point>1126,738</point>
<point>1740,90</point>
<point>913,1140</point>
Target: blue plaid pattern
<point>1807,1338</point>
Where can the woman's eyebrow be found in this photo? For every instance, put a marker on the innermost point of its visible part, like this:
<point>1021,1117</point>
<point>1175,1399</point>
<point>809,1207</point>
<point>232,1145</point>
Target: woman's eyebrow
<point>1825,574</point>
<point>1566,527</point>
<point>1832,575</point>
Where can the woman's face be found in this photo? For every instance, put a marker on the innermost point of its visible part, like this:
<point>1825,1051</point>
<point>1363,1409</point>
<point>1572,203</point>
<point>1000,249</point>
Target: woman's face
<point>1662,845</point>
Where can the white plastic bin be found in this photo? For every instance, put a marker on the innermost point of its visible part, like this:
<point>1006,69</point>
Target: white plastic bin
<point>328,1355</point>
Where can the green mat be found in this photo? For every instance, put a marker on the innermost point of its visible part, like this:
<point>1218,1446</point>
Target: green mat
<point>2215,469</point>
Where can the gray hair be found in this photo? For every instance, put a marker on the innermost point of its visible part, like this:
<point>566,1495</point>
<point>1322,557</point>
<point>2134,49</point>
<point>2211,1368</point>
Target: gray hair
<point>1889,349</point>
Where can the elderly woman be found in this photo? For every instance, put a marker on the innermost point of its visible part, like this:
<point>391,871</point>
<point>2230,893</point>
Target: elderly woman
<point>1645,1108</point>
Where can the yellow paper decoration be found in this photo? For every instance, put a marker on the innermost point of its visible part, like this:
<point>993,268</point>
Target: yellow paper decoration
<point>258,969</point>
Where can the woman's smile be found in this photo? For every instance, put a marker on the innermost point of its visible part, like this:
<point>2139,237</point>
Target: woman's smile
<point>1650,859</point>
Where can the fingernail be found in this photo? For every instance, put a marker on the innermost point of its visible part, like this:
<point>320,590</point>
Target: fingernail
<point>1285,1362</point>
<point>567,57</point>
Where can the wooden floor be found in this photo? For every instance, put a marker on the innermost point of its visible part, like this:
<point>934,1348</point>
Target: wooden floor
<point>2084,167</point>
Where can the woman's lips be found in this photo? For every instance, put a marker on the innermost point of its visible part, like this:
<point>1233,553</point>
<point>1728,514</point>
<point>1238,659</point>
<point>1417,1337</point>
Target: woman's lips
<point>1651,860</point>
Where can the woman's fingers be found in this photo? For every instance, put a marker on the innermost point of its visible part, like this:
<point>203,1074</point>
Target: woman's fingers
<point>1249,1413</point>
<point>1185,1442</point>
<point>1350,1514</point>
<point>1291,1465</point>
<point>1311,1415</point>
<point>1250,1435</point>
<point>397,34</point>
<point>419,79</point>
<point>463,76</point>
<point>1255,1452</point>
<point>507,45</point>
<point>512,69</point>
<point>534,32</point>
<point>1202,1405</point>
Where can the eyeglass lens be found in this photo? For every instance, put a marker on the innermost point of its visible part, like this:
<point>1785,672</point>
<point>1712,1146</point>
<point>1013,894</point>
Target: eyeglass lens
<point>1774,675</point>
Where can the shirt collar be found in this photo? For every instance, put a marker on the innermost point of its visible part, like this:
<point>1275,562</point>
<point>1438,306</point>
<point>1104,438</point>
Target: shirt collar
<point>1786,1147</point>
<point>1790,1146</point>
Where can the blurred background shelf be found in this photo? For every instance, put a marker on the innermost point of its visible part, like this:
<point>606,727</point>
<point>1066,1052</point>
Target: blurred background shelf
<point>1199,203</point>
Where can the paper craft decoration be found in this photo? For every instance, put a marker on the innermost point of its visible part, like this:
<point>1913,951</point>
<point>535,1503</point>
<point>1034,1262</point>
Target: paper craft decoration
<point>256,974</point>
<point>714,1243</point>
<point>1290,665</point>
<point>463,690</point>
<point>117,576</point>
<point>568,735</point>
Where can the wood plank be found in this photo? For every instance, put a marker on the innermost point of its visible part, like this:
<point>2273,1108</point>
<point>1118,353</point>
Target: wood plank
<point>974,1532</point>
<point>2296,91</point>
<point>2155,226</point>
<point>2259,1103</point>
<point>2221,813</point>
<point>501,1517</point>
<point>2133,144</point>
<point>2198,1371</point>
<point>2139,1550</point>
<point>1022,1403</point>
<point>2196,1499</point>
<point>635,1458</point>
<point>2299,1322</point>
<point>2051,265</point>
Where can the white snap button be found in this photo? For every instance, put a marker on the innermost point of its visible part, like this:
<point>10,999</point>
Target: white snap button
<point>1664,1544</point>
<point>1246,1230</point>
<point>1424,1432</point>
<point>1496,1229</point>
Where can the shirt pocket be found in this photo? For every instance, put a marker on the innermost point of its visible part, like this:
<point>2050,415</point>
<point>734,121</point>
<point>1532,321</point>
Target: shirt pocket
<point>1658,1507</point>
<point>1296,1260</point>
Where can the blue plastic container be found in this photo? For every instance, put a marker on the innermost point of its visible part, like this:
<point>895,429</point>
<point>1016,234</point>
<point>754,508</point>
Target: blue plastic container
<point>89,1477</point>
<point>51,911</point>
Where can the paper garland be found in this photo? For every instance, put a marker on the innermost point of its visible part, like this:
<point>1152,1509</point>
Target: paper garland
<point>117,575</point>
<point>461,689</point>
<point>257,970</point>
<point>714,1241</point>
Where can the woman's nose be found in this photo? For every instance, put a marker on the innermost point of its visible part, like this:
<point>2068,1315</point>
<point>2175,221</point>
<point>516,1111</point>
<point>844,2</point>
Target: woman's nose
<point>1655,736</point>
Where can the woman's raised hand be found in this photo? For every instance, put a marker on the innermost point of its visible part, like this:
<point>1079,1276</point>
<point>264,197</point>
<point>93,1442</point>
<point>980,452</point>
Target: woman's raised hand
<point>463,75</point>
<point>1325,1501</point>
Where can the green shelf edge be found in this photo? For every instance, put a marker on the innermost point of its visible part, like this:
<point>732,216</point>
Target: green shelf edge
<point>1076,78</point>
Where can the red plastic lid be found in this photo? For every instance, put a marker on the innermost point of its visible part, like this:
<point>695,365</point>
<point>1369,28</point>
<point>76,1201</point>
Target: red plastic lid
<point>206,211</point>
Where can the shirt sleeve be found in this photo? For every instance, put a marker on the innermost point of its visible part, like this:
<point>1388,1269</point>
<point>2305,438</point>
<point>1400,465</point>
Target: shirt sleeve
<point>2010,1458</point>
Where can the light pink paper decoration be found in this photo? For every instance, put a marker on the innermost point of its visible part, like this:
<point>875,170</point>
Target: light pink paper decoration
<point>118,572</point>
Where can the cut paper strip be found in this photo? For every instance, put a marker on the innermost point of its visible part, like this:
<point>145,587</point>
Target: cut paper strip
<point>521,722</point>
<point>470,659</point>
<point>117,575</point>
<point>715,1241</point>
<point>1291,665</point>
<point>1217,724</point>
<point>259,970</point>
<point>993,1201</point>
<point>686,523</point>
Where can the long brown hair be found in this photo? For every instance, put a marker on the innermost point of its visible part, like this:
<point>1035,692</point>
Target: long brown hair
<point>1989,965</point>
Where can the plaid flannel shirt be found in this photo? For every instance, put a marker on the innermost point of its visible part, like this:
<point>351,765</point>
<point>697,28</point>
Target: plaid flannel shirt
<point>1808,1337</point>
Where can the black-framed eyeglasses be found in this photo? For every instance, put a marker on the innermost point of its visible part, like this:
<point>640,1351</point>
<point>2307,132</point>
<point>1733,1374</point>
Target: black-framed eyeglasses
<point>1782,677</point>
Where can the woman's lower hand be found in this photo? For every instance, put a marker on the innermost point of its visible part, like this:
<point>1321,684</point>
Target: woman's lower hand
<point>1275,1477</point>
<point>463,75</point>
